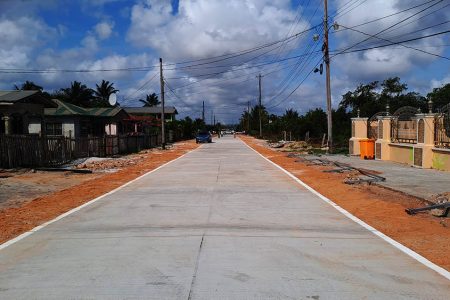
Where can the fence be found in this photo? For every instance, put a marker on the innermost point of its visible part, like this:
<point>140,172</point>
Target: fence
<point>403,125</point>
<point>442,128</point>
<point>35,151</point>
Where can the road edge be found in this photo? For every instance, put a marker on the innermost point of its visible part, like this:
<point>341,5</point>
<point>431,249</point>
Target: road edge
<point>78,208</point>
<point>355,219</point>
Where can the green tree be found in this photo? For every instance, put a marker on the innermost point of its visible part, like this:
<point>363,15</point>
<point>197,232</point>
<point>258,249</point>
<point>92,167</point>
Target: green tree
<point>77,94</point>
<point>364,98</point>
<point>150,100</point>
<point>29,86</point>
<point>440,96</point>
<point>102,93</point>
<point>290,120</point>
<point>392,87</point>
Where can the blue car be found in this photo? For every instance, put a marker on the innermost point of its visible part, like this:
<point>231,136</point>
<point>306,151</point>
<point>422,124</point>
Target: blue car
<point>203,137</point>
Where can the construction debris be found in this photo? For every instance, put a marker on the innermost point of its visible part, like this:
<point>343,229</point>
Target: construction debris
<point>84,171</point>
<point>356,176</point>
<point>439,208</point>
<point>294,146</point>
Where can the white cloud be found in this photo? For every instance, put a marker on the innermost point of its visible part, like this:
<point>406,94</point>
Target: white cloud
<point>389,61</point>
<point>437,83</point>
<point>104,30</point>
<point>205,28</point>
<point>18,41</point>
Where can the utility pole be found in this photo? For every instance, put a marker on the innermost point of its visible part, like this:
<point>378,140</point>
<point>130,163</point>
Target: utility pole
<point>260,106</point>
<point>203,112</point>
<point>212,113</point>
<point>327,65</point>
<point>163,133</point>
<point>248,117</point>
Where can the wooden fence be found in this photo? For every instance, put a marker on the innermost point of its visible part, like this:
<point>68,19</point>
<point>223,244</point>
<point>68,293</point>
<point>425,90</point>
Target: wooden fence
<point>35,151</point>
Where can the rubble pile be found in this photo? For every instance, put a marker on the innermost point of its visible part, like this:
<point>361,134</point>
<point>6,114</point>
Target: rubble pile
<point>110,164</point>
<point>297,146</point>
<point>440,199</point>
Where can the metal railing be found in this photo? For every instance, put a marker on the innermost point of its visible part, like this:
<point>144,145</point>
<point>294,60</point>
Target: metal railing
<point>442,128</point>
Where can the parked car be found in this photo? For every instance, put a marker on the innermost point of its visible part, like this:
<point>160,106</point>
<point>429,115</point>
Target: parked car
<point>203,137</point>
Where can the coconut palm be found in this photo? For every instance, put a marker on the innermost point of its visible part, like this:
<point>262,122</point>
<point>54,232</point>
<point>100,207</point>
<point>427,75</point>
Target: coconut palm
<point>29,86</point>
<point>102,93</point>
<point>78,94</point>
<point>150,100</point>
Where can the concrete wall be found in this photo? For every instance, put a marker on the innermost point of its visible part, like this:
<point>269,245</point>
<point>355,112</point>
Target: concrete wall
<point>359,132</point>
<point>441,159</point>
<point>420,154</point>
<point>402,153</point>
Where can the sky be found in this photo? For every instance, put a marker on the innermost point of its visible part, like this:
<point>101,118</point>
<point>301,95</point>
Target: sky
<point>213,50</point>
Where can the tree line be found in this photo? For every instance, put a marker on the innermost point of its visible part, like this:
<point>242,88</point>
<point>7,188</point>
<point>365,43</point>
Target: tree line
<point>81,95</point>
<point>364,101</point>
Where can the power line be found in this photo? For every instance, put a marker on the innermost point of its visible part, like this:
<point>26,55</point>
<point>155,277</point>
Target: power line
<point>388,16</point>
<point>410,47</point>
<point>389,27</point>
<point>142,86</point>
<point>393,43</point>
<point>350,9</point>
<point>147,68</point>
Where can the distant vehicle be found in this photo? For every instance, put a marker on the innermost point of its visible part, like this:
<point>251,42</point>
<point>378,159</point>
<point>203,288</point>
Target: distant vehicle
<point>227,132</point>
<point>203,137</point>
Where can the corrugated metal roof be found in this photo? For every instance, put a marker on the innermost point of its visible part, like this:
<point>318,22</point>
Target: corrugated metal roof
<point>14,96</point>
<point>151,110</point>
<point>67,109</point>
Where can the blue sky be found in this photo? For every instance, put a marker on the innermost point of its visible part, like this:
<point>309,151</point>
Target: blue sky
<point>116,34</point>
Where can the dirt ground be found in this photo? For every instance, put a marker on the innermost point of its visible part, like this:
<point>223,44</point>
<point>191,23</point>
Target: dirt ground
<point>381,208</point>
<point>29,198</point>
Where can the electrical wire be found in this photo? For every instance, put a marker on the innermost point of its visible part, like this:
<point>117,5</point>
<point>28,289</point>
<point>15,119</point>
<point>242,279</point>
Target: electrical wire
<point>390,41</point>
<point>389,27</point>
<point>393,43</point>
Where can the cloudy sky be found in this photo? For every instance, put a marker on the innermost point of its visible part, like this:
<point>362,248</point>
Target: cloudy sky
<point>213,50</point>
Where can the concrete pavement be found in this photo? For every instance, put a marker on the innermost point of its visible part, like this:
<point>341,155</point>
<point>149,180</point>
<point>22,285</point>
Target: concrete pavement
<point>219,223</point>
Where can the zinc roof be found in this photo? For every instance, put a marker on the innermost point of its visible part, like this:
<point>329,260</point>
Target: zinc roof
<point>67,109</point>
<point>14,96</point>
<point>151,110</point>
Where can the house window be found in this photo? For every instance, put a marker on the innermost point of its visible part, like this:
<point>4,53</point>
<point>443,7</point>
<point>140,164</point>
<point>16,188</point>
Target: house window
<point>53,129</point>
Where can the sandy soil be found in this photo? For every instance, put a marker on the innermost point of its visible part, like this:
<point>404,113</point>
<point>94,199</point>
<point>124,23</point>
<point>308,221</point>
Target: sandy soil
<point>30,199</point>
<point>381,208</point>
<point>24,185</point>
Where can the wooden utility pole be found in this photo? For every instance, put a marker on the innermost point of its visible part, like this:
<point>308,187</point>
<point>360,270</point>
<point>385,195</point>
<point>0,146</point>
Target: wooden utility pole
<point>248,117</point>
<point>260,107</point>
<point>203,112</point>
<point>327,65</point>
<point>163,133</point>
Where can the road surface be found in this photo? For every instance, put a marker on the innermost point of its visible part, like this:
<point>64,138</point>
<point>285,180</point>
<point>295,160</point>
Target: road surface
<point>219,223</point>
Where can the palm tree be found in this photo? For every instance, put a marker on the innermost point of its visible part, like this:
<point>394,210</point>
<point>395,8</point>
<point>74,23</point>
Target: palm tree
<point>78,94</point>
<point>102,93</point>
<point>150,100</point>
<point>29,86</point>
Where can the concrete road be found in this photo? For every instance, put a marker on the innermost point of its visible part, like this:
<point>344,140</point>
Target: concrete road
<point>219,223</point>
